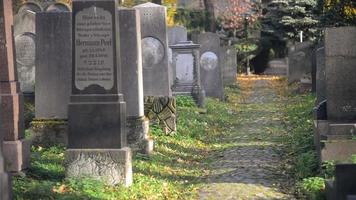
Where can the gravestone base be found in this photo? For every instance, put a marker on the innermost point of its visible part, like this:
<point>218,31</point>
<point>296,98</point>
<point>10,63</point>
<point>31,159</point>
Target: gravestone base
<point>111,166</point>
<point>338,150</point>
<point>5,189</point>
<point>49,132</point>
<point>137,135</point>
<point>17,155</point>
<point>162,109</point>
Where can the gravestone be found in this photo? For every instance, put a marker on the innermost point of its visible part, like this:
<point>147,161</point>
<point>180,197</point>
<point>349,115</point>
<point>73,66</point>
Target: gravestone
<point>132,80</point>
<point>53,77</point>
<point>186,71</point>
<point>320,75</point>
<point>229,64</point>
<point>340,66</point>
<point>5,181</point>
<point>156,73</point>
<point>177,34</point>
<point>16,148</point>
<point>58,7</point>
<point>25,44</point>
<point>300,63</point>
<point>344,185</point>
<point>210,64</point>
<point>97,112</point>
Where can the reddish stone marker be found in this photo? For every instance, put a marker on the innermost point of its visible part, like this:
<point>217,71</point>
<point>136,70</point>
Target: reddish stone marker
<point>16,149</point>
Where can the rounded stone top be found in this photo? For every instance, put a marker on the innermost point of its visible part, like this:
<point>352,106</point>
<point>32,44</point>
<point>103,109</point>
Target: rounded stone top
<point>148,4</point>
<point>30,6</point>
<point>58,7</point>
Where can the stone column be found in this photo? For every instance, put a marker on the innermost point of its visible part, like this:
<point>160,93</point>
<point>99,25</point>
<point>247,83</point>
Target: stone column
<point>97,112</point>
<point>132,80</point>
<point>16,148</point>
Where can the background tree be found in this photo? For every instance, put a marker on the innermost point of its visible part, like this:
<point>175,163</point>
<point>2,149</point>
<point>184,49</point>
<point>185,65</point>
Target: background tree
<point>209,7</point>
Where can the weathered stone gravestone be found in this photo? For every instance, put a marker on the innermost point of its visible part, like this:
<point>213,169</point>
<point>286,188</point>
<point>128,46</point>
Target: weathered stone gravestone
<point>210,64</point>
<point>97,112</point>
<point>16,148</point>
<point>300,63</point>
<point>186,70</point>
<point>25,44</point>
<point>156,77</point>
<point>58,7</point>
<point>53,77</point>
<point>229,64</point>
<point>344,185</point>
<point>340,64</point>
<point>320,75</point>
<point>177,34</point>
<point>156,72</point>
<point>132,80</point>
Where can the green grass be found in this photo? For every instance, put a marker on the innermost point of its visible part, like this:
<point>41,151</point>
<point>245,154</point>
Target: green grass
<point>174,171</point>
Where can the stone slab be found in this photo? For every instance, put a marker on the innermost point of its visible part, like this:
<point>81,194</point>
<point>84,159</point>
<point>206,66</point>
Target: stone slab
<point>17,155</point>
<point>320,75</point>
<point>5,186</point>
<point>112,166</point>
<point>340,41</point>
<point>338,150</point>
<point>177,34</point>
<point>137,135</point>
<point>229,64</point>
<point>300,62</point>
<point>54,64</point>
<point>156,71</point>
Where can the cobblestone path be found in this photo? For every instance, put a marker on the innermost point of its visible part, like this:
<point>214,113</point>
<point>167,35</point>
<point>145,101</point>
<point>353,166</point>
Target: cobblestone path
<point>251,167</point>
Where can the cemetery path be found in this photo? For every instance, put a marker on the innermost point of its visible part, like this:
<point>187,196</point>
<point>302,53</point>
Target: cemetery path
<point>252,164</point>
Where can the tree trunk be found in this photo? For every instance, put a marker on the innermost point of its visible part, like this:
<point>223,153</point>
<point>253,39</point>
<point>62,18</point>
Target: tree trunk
<point>209,7</point>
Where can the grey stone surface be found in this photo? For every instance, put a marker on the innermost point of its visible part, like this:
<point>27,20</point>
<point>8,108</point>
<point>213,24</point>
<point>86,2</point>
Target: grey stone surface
<point>320,75</point>
<point>58,7</point>
<point>340,67</point>
<point>338,150</point>
<point>112,166</point>
<point>131,61</point>
<point>17,154</point>
<point>344,185</point>
<point>210,64</point>
<point>186,71</point>
<point>137,135</point>
<point>156,72</point>
<point>300,61</point>
<point>229,64</point>
<point>25,44</point>
<point>177,34</point>
<point>53,64</point>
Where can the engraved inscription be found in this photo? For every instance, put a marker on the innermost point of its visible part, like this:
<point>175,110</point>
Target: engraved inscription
<point>184,67</point>
<point>94,48</point>
<point>25,49</point>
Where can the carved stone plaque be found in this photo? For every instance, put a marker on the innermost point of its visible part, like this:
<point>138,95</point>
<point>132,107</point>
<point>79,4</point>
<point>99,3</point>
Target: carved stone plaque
<point>209,60</point>
<point>94,48</point>
<point>184,67</point>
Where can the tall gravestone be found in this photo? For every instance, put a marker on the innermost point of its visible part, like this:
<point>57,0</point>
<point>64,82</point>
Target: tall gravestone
<point>16,148</point>
<point>229,64</point>
<point>300,63</point>
<point>53,77</point>
<point>25,44</point>
<point>320,75</point>
<point>156,74</point>
<point>159,103</point>
<point>340,64</point>
<point>210,64</point>
<point>97,112</point>
<point>132,80</point>
<point>5,20</point>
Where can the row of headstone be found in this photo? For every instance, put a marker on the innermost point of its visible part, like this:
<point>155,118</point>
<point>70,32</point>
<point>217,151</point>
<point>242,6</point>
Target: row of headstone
<point>335,113</point>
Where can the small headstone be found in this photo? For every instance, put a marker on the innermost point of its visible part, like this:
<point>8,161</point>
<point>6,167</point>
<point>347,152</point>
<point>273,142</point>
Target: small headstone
<point>156,73</point>
<point>210,64</point>
<point>16,148</point>
<point>132,79</point>
<point>229,64</point>
<point>340,67</point>
<point>177,34</point>
<point>300,63</point>
<point>97,112</point>
<point>25,44</point>
<point>186,70</point>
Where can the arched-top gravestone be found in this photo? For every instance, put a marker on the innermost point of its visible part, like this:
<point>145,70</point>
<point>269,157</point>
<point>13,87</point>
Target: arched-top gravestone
<point>25,44</point>
<point>58,7</point>
<point>177,34</point>
<point>210,64</point>
<point>156,78</point>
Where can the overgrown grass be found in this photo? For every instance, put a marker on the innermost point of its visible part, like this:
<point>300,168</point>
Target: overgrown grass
<point>174,171</point>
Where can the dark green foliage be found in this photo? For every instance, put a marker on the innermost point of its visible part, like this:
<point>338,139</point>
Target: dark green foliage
<point>192,19</point>
<point>337,13</point>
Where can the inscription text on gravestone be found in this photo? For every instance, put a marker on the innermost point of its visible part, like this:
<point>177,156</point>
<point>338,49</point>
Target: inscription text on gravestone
<point>94,47</point>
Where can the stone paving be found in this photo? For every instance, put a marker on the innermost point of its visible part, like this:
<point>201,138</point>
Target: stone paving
<point>253,165</point>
